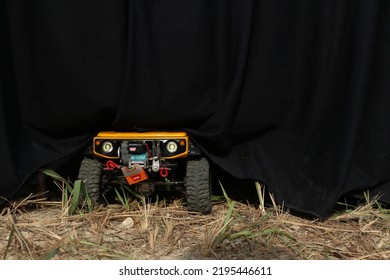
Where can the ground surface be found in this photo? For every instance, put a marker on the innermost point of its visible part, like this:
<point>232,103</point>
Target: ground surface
<point>41,229</point>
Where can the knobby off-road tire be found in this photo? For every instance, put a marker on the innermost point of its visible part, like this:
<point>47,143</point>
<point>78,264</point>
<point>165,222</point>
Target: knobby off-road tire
<point>198,186</point>
<point>90,172</point>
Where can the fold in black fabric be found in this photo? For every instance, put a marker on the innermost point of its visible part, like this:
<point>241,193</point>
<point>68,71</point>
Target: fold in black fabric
<point>292,93</point>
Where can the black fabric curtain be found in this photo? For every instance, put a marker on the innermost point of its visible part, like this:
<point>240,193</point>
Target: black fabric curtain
<point>292,93</point>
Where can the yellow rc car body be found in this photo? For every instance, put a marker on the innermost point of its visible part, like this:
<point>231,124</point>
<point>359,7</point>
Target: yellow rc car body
<point>147,161</point>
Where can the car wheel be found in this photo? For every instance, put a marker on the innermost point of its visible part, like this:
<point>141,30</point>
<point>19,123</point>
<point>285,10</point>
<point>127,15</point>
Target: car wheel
<point>198,186</point>
<point>90,172</point>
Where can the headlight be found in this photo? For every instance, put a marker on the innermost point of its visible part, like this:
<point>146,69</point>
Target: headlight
<point>107,147</point>
<point>171,147</point>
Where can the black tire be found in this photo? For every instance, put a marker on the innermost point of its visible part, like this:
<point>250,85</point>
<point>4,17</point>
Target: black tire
<point>90,172</point>
<point>198,186</point>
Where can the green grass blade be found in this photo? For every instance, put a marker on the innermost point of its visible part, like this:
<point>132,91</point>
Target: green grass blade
<point>10,238</point>
<point>243,233</point>
<point>75,197</point>
<point>261,194</point>
<point>84,195</point>
<point>53,174</point>
<point>51,254</point>
<point>135,194</point>
<point>120,197</point>
<point>228,217</point>
<point>224,193</point>
<point>230,203</point>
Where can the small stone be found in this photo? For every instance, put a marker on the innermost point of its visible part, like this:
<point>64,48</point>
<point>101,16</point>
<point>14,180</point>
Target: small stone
<point>128,223</point>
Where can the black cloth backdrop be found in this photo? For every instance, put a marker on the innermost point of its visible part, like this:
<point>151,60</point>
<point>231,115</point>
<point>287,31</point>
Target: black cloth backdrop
<point>292,93</point>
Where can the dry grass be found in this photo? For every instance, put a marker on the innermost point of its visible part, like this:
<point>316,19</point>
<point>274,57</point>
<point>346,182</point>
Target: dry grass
<point>39,229</point>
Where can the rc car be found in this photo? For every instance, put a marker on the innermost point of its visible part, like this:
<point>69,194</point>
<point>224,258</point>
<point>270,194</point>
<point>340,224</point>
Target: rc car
<point>147,162</point>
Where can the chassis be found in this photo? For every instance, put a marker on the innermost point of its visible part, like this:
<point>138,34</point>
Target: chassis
<point>146,161</point>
